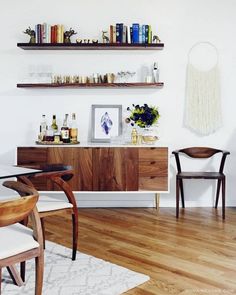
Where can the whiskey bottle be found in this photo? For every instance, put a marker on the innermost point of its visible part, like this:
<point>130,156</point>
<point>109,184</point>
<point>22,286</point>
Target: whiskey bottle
<point>43,129</point>
<point>54,124</point>
<point>74,130</point>
<point>65,135</point>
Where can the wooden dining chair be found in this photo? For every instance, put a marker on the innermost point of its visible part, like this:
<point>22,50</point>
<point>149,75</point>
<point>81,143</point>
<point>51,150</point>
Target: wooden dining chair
<point>59,175</point>
<point>19,243</point>
<point>200,153</point>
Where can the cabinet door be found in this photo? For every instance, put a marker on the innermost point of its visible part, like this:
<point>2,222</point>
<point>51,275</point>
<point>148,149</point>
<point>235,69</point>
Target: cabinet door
<point>34,157</point>
<point>115,169</point>
<point>81,161</point>
<point>153,169</point>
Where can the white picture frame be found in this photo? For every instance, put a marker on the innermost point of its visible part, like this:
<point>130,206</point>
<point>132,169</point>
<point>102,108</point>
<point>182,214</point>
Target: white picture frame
<point>106,122</point>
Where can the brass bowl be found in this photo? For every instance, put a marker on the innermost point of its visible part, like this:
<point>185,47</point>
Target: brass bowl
<point>149,139</point>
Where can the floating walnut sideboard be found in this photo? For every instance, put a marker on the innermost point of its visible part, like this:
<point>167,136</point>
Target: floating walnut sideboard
<point>104,168</point>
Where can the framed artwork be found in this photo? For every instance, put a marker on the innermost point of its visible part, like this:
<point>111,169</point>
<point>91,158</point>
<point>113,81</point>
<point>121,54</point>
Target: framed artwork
<point>106,122</point>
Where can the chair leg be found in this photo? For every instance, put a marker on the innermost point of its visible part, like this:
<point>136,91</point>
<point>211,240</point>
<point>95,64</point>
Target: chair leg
<point>182,192</point>
<point>177,198</point>
<point>223,198</point>
<point>217,192</point>
<point>75,234</point>
<point>39,266</point>
<point>43,231</point>
<point>22,270</point>
<point>0,280</point>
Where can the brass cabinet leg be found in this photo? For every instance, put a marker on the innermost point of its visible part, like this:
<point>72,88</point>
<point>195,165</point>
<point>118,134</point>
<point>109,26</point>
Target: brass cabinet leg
<point>157,201</point>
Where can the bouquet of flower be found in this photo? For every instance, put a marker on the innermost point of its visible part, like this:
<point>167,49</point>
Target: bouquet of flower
<point>143,116</point>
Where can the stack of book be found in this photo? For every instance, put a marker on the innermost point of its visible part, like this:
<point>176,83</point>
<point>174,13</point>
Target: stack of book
<point>45,33</point>
<point>136,33</point>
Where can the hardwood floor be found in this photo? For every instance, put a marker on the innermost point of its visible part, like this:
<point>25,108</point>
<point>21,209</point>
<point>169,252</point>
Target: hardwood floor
<point>194,255</point>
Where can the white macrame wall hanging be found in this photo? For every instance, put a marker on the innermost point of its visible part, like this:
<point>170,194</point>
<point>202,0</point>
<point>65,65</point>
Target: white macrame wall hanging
<point>203,106</point>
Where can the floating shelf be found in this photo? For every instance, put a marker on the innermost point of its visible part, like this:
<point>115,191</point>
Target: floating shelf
<point>91,85</point>
<point>90,46</point>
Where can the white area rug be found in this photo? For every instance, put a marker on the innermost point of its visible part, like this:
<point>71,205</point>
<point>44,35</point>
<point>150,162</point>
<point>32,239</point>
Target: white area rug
<point>85,276</point>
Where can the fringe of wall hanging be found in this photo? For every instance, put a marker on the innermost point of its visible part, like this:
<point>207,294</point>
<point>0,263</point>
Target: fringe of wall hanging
<point>203,106</point>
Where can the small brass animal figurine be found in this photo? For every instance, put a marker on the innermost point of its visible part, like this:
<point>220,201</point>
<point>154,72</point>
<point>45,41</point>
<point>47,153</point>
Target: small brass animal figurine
<point>68,34</point>
<point>78,40</point>
<point>94,41</point>
<point>31,33</point>
<point>105,39</point>
<point>156,39</point>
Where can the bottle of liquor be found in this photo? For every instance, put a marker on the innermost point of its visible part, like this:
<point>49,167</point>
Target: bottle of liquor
<point>43,129</point>
<point>65,134</point>
<point>54,124</point>
<point>74,130</point>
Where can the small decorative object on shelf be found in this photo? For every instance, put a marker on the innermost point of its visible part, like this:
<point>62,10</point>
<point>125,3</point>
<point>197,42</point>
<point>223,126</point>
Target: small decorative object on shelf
<point>68,34</point>
<point>31,33</point>
<point>156,72</point>
<point>144,117</point>
<point>156,39</point>
<point>134,136</point>
<point>105,39</point>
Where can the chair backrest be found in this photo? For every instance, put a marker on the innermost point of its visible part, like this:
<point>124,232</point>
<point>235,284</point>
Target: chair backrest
<point>200,153</point>
<point>16,210</point>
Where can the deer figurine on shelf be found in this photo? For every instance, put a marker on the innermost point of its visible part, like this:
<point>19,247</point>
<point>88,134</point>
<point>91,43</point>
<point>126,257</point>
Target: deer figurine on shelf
<point>31,33</point>
<point>68,34</point>
<point>156,39</point>
<point>105,39</point>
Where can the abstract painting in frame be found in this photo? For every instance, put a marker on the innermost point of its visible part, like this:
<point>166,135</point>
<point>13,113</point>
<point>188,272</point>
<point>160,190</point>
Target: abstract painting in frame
<point>106,122</point>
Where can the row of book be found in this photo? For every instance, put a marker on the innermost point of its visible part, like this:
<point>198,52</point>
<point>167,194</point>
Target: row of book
<point>136,33</point>
<point>45,33</point>
<point>119,33</point>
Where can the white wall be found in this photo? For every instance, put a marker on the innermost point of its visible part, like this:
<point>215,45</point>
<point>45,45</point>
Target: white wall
<point>178,23</point>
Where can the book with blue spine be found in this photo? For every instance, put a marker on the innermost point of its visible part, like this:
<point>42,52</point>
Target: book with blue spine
<point>131,34</point>
<point>143,33</point>
<point>121,28</point>
<point>140,35</point>
<point>135,33</point>
<point>146,34</point>
<point>117,33</point>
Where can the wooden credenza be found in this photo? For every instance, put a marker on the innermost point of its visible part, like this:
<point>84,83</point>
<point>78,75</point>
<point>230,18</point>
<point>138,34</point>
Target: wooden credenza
<point>104,168</point>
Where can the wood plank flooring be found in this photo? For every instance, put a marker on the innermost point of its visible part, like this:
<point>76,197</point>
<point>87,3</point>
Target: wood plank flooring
<point>194,255</point>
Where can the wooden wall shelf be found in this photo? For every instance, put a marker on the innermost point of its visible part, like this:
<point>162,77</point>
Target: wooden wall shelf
<point>91,85</point>
<point>98,46</point>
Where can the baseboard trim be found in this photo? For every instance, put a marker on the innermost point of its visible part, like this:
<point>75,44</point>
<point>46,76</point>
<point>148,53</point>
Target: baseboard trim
<point>132,200</point>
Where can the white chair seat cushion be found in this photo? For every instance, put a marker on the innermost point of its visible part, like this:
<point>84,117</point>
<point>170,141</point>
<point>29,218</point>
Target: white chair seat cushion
<point>46,203</point>
<point>15,239</point>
